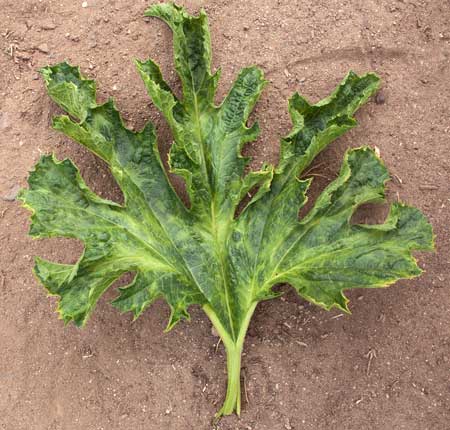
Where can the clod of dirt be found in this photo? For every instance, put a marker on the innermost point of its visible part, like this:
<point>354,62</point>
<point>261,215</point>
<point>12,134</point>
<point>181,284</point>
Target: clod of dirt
<point>4,121</point>
<point>47,26</point>
<point>252,331</point>
<point>23,56</point>
<point>379,98</point>
<point>12,194</point>
<point>43,48</point>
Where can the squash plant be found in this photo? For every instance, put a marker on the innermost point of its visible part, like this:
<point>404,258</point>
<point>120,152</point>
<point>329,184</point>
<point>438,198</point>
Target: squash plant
<point>209,253</point>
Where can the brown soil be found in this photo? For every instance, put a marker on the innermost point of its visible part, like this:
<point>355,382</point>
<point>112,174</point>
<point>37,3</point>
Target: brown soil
<point>385,367</point>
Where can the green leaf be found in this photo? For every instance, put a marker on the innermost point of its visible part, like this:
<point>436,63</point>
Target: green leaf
<point>218,252</point>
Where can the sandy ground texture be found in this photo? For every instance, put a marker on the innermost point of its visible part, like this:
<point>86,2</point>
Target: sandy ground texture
<point>385,367</point>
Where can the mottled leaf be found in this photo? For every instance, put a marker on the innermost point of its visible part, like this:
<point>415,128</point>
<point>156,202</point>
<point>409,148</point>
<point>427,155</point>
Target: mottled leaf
<point>240,234</point>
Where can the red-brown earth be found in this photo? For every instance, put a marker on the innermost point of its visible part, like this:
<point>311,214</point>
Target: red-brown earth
<point>384,367</point>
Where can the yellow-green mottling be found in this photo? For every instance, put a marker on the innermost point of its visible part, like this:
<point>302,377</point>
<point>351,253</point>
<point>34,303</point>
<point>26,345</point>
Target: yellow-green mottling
<point>205,254</point>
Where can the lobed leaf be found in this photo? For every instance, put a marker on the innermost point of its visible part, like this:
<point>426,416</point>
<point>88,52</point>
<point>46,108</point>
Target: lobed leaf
<point>204,254</point>
<point>208,253</point>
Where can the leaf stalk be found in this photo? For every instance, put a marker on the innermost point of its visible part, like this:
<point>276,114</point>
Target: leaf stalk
<point>233,349</point>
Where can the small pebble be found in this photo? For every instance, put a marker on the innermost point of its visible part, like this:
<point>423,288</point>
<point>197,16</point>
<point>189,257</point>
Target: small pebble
<point>84,4</point>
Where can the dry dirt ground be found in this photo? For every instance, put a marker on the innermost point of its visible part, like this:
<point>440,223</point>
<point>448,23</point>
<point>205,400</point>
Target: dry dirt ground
<point>385,367</point>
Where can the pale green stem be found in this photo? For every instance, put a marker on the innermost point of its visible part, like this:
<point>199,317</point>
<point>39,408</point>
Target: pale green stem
<point>233,348</point>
